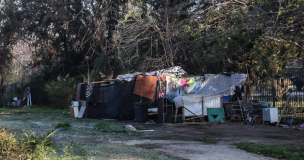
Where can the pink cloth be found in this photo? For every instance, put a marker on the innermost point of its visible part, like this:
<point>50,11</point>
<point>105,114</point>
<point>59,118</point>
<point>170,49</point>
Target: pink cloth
<point>184,83</point>
<point>302,125</point>
<point>162,80</point>
<point>27,91</point>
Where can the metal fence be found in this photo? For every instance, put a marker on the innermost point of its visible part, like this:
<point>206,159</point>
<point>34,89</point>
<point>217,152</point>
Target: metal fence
<point>275,89</point>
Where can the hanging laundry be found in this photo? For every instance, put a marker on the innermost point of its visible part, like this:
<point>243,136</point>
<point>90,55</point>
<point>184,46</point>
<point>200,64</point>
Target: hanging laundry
<point>145,86</point>
<point>162,85</point>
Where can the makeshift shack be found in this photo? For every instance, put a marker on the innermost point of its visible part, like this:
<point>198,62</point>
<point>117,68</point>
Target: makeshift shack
<point>210,94</point>
<point>115,98</point>
<point>167,92</point>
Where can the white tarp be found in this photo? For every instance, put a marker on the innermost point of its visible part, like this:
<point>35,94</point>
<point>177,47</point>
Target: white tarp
<point>213,88</point>
<point>193,102</point>
<point>221,84</point>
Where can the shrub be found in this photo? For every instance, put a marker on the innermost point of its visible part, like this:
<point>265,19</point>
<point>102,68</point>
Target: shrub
<point>39,145</point>
<point>60,93</point>
<point>10,148</point>
<point>9,96</point>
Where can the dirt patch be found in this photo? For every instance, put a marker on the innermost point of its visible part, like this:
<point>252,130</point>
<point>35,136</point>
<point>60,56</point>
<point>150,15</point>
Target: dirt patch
<point>181,140</point>
<point>148,146</point>
<point>176,141</point>
<point>194,150</point>
<point>230,133</point>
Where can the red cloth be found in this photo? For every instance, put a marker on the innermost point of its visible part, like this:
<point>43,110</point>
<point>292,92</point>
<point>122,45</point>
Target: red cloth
<point>27,91</point>
<point>145,86</point>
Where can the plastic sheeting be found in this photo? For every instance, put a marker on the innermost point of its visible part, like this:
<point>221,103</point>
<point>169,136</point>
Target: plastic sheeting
<point>106,101</point>
<point>212,89</point>
<point>198,103</point>
<point>221,84</point>
<point>115,100</point>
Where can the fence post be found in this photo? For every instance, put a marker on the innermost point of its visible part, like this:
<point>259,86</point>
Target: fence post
<point>273,89</point>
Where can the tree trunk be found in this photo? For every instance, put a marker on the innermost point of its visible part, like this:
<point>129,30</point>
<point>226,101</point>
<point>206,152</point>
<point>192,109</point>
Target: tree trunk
<point>109,60</point>
<point>250,88</point>
<point>167,34</point>
<point>2,90</point>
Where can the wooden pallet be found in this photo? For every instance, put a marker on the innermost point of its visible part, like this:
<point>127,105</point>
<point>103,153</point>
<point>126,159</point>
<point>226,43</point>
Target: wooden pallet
<point>236,118</point>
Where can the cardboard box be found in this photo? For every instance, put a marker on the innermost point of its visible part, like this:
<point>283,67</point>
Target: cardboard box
<point>72,111</point>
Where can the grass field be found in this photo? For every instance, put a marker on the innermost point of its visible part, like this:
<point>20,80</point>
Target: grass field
<point>79,138</point>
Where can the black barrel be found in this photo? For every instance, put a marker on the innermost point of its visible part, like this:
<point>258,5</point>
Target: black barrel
<point>141,111</point>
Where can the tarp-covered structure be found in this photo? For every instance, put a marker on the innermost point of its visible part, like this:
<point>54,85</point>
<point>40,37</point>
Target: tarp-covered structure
<point>196,93</point>
<point>115,100</point>
<point>212,89</point>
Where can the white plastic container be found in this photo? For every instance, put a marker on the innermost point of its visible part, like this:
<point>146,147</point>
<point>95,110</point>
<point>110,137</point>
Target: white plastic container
<point>75,103</point>
<point>270,114</point>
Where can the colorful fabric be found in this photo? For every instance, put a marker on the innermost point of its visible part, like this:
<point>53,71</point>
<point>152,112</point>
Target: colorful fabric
<point>162,85</point>
<point>173,87</point>
<point>191,85</point>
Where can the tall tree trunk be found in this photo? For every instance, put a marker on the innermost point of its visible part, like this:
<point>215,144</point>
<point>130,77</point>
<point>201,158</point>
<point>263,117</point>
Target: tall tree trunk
<point>2,90</point>
<point>109,60</point>
<point>167,46</point>
<point>250,88</point>
<point>69,59</point>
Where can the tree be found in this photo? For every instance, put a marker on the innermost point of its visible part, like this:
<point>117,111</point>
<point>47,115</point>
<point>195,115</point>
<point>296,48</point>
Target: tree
<point>61,33</point>
<point>111,39</point>
<point>152,36</point>
<point>9,26</point>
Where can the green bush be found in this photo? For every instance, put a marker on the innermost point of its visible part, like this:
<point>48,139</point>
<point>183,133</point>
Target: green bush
<point>60,93</point>
<point>25,146</point>
<point>51,93</point>
<point>10,148</point>
<point>39,145</point>
<point>9,96</point>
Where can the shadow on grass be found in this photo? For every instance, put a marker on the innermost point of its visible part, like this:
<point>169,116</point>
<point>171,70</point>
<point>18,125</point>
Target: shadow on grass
<point>205,140</point>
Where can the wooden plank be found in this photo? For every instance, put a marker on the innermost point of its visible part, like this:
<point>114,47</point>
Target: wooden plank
<point>160,110</point>
<point>283,110</point>
<point>78,92</point>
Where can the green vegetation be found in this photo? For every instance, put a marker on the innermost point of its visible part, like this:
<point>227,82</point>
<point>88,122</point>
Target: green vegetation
<point>205,140</point>
<point>141,128</point>
<point>40,145</point>
<point>272,151</point>
<point>81,141</point>
<point>33,109</point>
<point>106,151</point>
<point>27,145</point>
<point>108,126</point>
<point>10,147</point>
<point>63,126</point>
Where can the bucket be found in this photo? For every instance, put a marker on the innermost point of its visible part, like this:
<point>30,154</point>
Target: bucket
<point>141,111</point>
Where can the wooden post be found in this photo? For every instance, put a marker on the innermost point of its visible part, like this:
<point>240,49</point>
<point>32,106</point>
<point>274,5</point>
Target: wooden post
<point>294,111</point>
<point>78,92</point>
<point>283,110</point>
